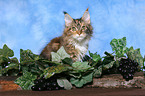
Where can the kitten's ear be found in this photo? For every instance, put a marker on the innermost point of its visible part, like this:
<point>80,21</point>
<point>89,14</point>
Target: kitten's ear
<point>86,16</point>
<point>68,19</point>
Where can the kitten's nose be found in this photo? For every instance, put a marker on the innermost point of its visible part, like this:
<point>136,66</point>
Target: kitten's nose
<point>79,32</point>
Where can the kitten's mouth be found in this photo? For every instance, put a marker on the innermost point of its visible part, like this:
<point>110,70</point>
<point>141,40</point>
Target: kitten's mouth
<point>79,38</point>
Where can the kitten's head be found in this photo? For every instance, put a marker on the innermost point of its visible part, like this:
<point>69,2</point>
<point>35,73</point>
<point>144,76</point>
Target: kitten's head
<point>78,29</point>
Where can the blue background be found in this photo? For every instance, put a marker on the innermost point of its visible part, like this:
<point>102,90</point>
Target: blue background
<point>31,24</point>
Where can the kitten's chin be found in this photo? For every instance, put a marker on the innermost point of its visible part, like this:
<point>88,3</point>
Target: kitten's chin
<point>79,38</point>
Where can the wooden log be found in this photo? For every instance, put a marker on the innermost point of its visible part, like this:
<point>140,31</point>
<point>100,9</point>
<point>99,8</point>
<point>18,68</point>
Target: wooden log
<point>117,81</point>
<point>106,81</point>
<point>7,83</point>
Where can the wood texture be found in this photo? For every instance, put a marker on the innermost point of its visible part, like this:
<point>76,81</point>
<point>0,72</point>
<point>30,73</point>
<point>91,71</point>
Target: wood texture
<point>107,81</point>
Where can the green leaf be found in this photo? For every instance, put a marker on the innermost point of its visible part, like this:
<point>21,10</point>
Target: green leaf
<point>96,57</point>
<point>62,53</point>
<point>14,60</point>
<point>108,54</point>
<point>27,55</point>
<point>91,54</point>
<point>9,67</point>
<point>63,82</point>
<point>79,82</point>
<point>81,66</point>
<point>110,65</point>
<point>108,58</point>
<point>3,59</point>
<point>144,58</point>
<point>59,55</point>
<point>6,52</point>
<point>33,66</point>
<point>50,71</point>
<point>68,61</point>
<point>26,81</point>
<point>0,71</point>
<point>55,57</point>
<point>60,82</point>
<point>119,46</point>
<point>135,55</point>
<point>98,72</point>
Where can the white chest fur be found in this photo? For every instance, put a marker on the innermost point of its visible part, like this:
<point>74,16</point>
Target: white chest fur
<point>82,48</point>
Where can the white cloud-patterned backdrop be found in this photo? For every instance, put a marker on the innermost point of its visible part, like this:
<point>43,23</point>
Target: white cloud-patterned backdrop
<point>31,24</point>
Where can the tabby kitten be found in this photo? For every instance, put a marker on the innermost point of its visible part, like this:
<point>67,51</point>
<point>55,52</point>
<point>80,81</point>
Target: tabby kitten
<point>74,39</point>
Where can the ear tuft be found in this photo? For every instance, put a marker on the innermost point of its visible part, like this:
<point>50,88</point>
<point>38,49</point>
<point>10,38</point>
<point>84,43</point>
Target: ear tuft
<point>64,12</point>
<point>87,9</point>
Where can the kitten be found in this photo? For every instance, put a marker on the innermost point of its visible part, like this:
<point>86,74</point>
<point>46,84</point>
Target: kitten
<point>74,39</point>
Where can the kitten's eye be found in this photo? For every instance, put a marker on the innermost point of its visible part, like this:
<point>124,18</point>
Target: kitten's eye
<point>83,27</point>
<point>73,29</point>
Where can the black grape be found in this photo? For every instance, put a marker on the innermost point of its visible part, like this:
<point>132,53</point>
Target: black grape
<point>43,84</point>
<point>127,68</point>
<point>36,81</point>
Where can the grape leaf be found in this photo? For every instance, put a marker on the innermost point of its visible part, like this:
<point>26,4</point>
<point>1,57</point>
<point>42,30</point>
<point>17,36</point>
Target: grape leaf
<point>6,51</point>
<point>27,55</point>
<point>96,57</point>
<point>62,53</point>
<point>3,59</point>
<point>135,55</point>
<point>59,55</point>
<point>26,80</point>
<point>82,73</point>
<point>79,82</point>
<point>14,60</point>
<point>50,71</point>
<point>119,46</point>
<point>81,66</point>
<point>28,61</point>
<point>68,61</point>
<point>60,82</point>
<point>98,72</point>
<point>0,71</point>
<point>144,58</point>
<point>108,58</point>
<point>9,67</point>
<point>63,82</point>
<point>109,65</point>
<point>55,57</point>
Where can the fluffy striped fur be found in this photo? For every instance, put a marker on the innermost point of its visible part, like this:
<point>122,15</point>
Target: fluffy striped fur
<point>75,38</point>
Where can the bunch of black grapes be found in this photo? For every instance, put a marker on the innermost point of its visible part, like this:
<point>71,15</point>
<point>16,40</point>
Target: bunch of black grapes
<point>43,84</point>
<point>127,68</point>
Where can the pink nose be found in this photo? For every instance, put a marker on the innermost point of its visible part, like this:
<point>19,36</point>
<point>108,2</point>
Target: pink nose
<point>79,32</point>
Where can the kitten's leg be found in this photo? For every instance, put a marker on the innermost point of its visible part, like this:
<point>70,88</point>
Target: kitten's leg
<point>53,46</point>
<point>72,52</point>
